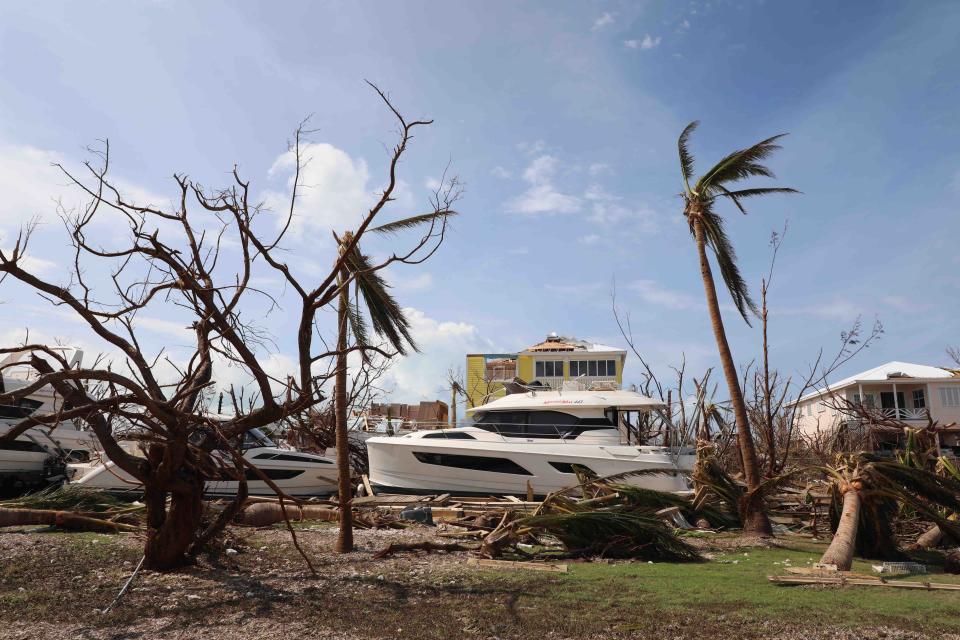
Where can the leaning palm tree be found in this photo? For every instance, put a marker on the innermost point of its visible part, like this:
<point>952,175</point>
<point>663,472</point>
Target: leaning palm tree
<point>869,493</point>
<point>389,323</point>
<point>706,226</point>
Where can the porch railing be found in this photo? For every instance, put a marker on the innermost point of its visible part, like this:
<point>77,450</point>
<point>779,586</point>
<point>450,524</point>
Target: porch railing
<point>905,414</point>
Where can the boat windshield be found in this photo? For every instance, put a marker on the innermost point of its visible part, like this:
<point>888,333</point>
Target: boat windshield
<point>538,424</point>
<point>257,438</point>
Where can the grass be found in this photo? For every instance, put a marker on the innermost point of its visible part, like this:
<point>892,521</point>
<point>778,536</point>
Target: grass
<point>62,577</point>
<point>735,583</point>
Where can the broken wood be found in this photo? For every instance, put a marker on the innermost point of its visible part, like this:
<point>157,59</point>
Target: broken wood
<point>517,565</point>
<point>366,484</point>
<point>863,582</point>
<point>396,547</point>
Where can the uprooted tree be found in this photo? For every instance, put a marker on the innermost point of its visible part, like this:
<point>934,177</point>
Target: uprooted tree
<point>198,257</point>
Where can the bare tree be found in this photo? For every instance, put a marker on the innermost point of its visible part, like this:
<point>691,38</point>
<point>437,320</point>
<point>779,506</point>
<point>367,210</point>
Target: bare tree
<point>954,353</point>
<point>175,257</point>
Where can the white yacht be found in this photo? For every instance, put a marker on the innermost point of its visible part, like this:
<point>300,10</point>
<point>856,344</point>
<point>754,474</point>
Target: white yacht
<point>296,473</point>
<point>36,457</point>
<point>529,439</point>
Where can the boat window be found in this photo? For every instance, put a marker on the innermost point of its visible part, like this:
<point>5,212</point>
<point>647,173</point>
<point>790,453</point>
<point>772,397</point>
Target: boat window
<point>19,408</point>
<point>273,474</point>
<point>290,458</point>
<point>477,463</point>
<point>567,467</point>
<point>256,438</point>
<point>21,445</point>
<point>451,435</point>
<point>506,423</point>
<point>549,424</point>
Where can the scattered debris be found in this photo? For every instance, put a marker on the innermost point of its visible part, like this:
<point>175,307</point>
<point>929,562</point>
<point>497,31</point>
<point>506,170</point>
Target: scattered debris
<point>513,564</point>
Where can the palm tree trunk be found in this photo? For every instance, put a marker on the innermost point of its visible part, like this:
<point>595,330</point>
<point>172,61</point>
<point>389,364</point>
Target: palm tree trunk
<point>755,521</point>
<point>840,551</point>
<point>344,489</point>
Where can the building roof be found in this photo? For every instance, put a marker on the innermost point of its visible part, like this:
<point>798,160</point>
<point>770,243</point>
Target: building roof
<point>559,344</point>
<point>892,371</point>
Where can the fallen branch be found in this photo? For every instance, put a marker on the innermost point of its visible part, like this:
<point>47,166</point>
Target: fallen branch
<point>395,547</point>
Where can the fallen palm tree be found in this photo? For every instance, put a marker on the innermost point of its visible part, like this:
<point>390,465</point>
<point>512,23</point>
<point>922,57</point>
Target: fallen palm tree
<point>870,493</point>
<point>74,508</point>
<point>608,519</point>
<point>264,514</point>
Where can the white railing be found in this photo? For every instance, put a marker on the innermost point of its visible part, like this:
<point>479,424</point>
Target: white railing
<point>557,382</point>
<point>905,414</point>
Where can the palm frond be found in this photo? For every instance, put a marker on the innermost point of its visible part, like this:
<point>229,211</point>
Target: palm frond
<point>735,196</point>
<point>615,534</point>
<point>739,165</point>
<point>719,242</point>
<point>412,222</point>
<point>358,327</point>
<point>686,158</point>
<point>386,315</point>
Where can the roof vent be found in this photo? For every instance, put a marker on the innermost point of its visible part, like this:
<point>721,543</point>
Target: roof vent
<point>553,337</point>
<point>897,374</point>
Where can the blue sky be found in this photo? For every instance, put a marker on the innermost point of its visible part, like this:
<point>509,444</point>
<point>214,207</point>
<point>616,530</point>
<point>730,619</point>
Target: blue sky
<point>561,118</point>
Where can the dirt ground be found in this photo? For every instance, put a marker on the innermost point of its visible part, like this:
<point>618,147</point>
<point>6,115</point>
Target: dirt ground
<point>56,585</point>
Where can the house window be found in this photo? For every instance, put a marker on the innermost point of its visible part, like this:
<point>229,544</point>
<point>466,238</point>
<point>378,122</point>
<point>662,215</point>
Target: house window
<point>549,369</point>
<point>870,401</point>
<point>950,396</point>
<point>593,368</point>
<point>919,399</point>
<point>856,398</point>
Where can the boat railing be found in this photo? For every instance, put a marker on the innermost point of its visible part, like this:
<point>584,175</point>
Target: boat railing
<point>520,433</point>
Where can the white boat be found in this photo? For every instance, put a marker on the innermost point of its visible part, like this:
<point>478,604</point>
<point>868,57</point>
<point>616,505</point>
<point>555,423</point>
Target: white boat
<point>529,440</point>
<point>296,473</point>
<point>36,457</point>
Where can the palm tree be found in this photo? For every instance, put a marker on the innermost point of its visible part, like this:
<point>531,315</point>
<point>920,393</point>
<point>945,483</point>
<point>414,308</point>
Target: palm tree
<point>389,323</point>
<point>706,226</point>
<point>873,491</point>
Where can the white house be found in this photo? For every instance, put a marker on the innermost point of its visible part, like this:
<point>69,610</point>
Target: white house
<point>899,390</point>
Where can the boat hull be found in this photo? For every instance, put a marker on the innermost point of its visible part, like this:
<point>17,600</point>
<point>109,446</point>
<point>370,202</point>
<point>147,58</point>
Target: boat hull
<point>419,466</point>
<point>313,476</point>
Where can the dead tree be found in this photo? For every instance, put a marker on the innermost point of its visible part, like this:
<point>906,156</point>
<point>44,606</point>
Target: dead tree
<point>174,257</point>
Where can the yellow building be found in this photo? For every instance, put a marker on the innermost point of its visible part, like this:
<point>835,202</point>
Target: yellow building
<point>548,363</point>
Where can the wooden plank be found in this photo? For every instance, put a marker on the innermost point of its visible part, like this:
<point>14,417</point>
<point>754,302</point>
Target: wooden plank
<point>513,498</point>
<point>860,582</point>
<point>516,565</point>
<point>366,484</point>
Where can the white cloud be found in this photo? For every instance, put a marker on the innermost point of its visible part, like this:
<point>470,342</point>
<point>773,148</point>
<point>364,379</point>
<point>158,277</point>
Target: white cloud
<point>606,208</point>
<point>443,344</point>
<point>542,196</point>
<point>597,168</point>
<point>588,239</point>
<point>500,172</point>
<point>334,192</point>
<point>653,293</point>
<point>684,25</point>
<point>420,282</point>
<point>432,184</point>
<point>604,20</point>
<point>646,43</point>
<point>29,184</point>
<point>532,148</point>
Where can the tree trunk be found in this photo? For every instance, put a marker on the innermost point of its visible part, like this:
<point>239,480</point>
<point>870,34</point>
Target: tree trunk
<point>755,521</point>
<point>344,542</point>
<point>930,538</point>
<point>840,551</point>
<point>171,532</point>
